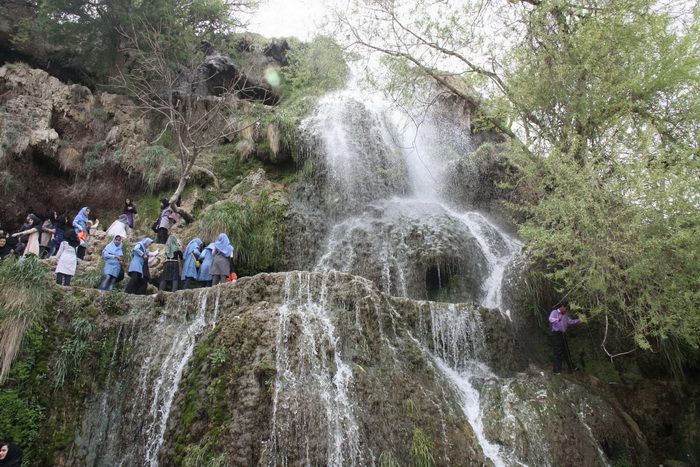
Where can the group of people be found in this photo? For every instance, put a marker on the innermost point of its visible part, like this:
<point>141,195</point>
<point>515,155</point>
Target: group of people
<point>52,236</point>
<point>70,245</point>
<point>201,266</point>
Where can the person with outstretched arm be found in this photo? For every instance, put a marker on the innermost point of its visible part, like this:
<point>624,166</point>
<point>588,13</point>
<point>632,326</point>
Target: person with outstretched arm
<point>560,321</point>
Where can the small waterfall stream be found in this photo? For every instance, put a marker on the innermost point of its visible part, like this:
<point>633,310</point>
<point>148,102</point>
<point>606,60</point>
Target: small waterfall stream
<point>125,424</point>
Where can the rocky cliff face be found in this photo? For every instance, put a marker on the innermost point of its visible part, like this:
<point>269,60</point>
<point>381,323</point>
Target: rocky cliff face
<point>62,145</point>
<point>307,368</point>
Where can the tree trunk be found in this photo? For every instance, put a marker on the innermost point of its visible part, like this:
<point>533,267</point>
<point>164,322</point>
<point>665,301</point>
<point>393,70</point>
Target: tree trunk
<point>176,196</point>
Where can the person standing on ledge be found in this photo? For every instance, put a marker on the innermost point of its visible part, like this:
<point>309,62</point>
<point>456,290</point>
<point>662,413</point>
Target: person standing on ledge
<point>560,321</point>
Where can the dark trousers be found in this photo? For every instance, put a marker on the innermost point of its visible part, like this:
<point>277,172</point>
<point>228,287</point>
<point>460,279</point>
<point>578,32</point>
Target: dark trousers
<point>107,282</point>
<point>164,284</point>
<point>204,283</point>
<point>218,279</point>
<point>561,351</point>
<point>137,284</point>
<point>188,282</point>
<point>63,279</point>
<point>162,235</point>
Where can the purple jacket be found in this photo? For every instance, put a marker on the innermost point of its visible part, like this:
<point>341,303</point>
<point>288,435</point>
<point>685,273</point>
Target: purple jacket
<point>561,325</point>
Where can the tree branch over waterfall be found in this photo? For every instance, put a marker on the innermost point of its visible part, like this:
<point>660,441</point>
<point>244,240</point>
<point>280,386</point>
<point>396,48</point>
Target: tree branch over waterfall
<point>601,99</point>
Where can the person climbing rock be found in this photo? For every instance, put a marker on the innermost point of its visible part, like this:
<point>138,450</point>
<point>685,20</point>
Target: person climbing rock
<point>560,321</point>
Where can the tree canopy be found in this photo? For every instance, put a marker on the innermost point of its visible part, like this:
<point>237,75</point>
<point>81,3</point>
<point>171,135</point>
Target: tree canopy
<point>91,33</point>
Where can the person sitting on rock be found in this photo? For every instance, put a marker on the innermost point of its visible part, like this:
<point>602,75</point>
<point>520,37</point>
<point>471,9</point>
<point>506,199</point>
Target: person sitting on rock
<point>5,249</point>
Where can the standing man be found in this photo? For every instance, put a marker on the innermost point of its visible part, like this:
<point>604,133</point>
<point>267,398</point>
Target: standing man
<point>560,321</point>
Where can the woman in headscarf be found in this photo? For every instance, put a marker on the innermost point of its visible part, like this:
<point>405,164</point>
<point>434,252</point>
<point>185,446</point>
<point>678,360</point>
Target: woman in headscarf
<point>189,267</point>
<point>5,249</point>
<point>165,221</point>
<point>10,454</point>
<point>119,227</point>
<point>48,228</point>
<point>82,229</point>
<point>138,268</point>
<point>171,271</point>
<point>207,256</point>
<point>67,258</point>
<point>129,211</point>
<point>220,265</point>
<point>57,237</point>
<point>32,230</point>
<point>112,254</point>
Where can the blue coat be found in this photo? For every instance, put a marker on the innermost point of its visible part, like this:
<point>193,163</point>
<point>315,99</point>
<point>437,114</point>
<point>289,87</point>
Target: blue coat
<point>139,251</point>
<point>207,257</point>
<point>110,253</point>
<point>189,268</point>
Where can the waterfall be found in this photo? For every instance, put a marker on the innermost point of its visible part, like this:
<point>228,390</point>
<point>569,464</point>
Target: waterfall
<point>312,406</point>
<point>392,225</point>
<point>409,241</point>
<point>126,423</point>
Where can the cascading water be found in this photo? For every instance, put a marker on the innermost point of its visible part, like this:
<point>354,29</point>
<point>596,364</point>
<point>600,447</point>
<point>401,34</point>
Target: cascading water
<point>393,227</point>
<point>312,384</point>
<point>126,424</point>
<point>321,367</point>
<point>408,241</point>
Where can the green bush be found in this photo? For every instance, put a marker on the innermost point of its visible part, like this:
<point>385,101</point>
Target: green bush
<point>255,230</point>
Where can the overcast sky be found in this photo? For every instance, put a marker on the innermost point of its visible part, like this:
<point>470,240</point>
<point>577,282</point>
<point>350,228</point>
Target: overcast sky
<point>283,18</point>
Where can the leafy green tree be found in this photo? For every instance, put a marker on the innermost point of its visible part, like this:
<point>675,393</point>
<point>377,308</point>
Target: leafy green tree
<point>91,34</point>
<point>315,68</point>
<point>599,99</point>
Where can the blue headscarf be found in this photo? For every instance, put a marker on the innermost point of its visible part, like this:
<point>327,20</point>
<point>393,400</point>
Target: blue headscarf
<point>224,245</point>
<point>193,245</point>
<point>113,249</point>
<point>145,242</point>
<point>81,219</point>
